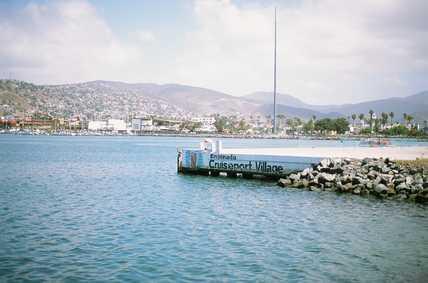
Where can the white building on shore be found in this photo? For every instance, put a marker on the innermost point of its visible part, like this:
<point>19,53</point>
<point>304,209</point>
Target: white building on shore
<point>142,124</point>
<point>205,121</point>
<point>114,125</point>
<point>97,125</point>
<point>207,124</point>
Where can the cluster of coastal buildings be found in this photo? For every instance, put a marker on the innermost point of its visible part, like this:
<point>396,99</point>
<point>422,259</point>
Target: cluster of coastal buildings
<point>235,124</point>
<point>134,125</point>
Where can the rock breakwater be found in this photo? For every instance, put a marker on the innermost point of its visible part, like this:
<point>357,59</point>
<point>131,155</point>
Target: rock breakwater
<point>382,178</point>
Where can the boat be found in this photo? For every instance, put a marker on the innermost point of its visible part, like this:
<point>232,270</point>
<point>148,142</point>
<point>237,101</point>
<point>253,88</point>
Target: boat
<point>375,142</point>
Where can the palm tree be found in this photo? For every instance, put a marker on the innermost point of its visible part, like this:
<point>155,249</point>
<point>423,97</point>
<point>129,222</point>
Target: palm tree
<point>409,119</point>
<point>353,116</point>
<point>391,115</point>
<point>371,112</point>
<point>384,118</point>
<point>361,117</point>
<point>314,117</point>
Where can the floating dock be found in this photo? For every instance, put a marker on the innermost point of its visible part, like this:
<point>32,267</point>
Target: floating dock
<point>212,160</point>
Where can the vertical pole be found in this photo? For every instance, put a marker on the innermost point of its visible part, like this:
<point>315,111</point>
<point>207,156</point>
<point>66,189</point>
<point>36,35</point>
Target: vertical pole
<point>274,83</point>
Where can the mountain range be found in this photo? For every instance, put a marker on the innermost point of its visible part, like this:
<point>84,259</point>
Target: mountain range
<point>98,98</point>
<point>415,105</point>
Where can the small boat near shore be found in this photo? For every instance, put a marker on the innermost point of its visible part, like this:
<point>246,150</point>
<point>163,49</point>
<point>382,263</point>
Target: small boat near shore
<point>375,142</point>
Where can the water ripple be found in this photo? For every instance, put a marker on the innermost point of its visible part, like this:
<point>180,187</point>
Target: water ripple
<point>114,209</point>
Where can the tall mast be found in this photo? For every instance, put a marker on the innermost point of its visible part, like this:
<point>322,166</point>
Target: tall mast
<point>274,83</point>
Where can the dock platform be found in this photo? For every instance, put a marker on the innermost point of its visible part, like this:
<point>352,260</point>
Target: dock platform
<point>212,160</point>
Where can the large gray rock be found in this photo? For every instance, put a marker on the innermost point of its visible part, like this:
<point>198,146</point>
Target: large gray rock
<point>377,166</point>
<point>419,187</point>
<point>409,180</point>
<point>358,180</point>
<point>365,161</point>
<point>401,187</point>
<point>284,182</point>
<point>347,187</point>
<point>419,180</point>
<point>372,174</point>
<point>326,162</point>
<point>305,183</point>
<point>381,189</point>
<point>326,177</point>
<point>377,181</point>
<point>386,178</point>
<point>325,169</point>
<point>336,170</point>
<point>297,184</point>
<point>391,191</point>
<point>345,179</point>
<point>314,182</point>
<point>306,172</point>
<point>294,177</point>
<point>385,170</point>
<point>399,179</point>
<point>413,189</point>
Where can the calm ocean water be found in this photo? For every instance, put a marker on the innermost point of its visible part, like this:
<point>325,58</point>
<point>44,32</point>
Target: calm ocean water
<point>114,209</point>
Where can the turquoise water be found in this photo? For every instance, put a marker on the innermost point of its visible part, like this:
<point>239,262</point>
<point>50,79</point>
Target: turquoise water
<point>114,209</point>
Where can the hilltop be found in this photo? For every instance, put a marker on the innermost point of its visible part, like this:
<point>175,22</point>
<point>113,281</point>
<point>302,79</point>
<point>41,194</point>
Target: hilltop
<point>118,99</point>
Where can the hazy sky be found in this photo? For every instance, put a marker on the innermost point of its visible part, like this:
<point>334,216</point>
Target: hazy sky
<point>328,51</point>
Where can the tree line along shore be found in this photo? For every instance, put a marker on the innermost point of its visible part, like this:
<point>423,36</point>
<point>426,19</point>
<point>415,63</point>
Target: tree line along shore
<point>354,125</point>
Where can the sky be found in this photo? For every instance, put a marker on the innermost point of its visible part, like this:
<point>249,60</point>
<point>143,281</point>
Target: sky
<point>329,52</point>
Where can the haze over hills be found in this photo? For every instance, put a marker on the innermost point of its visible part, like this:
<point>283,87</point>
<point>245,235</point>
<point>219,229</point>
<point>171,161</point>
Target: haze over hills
<point>118,99</point>
<point>284,99</point>
<point>416,105</point>
<point>288,105</point>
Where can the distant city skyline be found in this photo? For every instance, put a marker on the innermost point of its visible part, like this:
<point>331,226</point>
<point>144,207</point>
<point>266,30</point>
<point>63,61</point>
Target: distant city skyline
<point>329,52</point>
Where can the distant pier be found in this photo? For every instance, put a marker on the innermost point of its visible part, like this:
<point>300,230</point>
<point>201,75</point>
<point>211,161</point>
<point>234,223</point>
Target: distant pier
<point>212,160</point>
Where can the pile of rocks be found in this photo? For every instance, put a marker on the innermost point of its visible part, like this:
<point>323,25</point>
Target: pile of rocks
<point>380,177</point>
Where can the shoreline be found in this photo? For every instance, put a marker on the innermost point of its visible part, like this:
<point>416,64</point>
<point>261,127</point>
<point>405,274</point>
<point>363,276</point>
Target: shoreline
<point>382,178</point>
<point>206,135</point>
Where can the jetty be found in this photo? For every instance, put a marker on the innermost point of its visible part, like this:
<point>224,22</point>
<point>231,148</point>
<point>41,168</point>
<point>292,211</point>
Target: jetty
<point>211,159</point>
